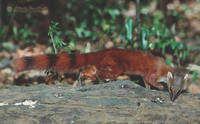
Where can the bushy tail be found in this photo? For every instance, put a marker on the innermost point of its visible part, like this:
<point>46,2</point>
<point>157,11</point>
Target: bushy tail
<point>59,62</point>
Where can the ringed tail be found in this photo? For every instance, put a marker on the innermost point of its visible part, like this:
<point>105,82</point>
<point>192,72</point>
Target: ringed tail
<point>57,62</point>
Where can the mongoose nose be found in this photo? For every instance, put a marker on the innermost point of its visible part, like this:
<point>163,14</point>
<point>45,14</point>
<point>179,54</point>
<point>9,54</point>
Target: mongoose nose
<point>172,98</point>
<point>174,95</point>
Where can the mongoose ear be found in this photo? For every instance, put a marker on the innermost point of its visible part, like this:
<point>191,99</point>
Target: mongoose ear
<point>186,82</point>
<point>185,77</point>
<point>169,75</point>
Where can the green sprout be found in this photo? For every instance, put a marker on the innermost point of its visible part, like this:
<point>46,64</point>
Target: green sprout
<point>55,39</point>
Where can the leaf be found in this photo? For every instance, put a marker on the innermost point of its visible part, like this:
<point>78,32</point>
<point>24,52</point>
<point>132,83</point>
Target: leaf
<point>185,54</point>
<point>129,29</point>
<point>87,33</point>
<point>168,61</point>
<point>106,27</point>
<point>152,45</point>
<point>79,32</point>
<point>173,45</point>
<point>113,13</point>
<point>195,77</point>
<point>180,46</point>
<point>15,30</point>
<point>163,47</point>
<point>155,28</point>
<point>144,37</point>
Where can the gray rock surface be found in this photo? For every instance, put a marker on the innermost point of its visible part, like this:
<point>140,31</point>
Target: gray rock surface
<point>118,102</point>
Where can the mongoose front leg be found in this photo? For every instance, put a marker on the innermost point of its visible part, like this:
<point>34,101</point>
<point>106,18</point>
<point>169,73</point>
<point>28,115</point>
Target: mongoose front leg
<point>80,79</point>
<point>147,85</point>
<point>151,80</point>
<point>90,72</point>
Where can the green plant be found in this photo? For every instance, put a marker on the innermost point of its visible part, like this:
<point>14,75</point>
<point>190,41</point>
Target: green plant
<point>55,37</point>
<point>195,77</point>
<point>158,37</point>
<point>162,39</point>
<point>3,32</point>
<point>57,42</point>
<point>91,19</point>
<point>129,30</point>
<point>126,34</point>
<point>24,34</point>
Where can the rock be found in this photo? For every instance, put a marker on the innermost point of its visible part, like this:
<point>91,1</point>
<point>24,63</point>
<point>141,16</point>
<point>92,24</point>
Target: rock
<point>120,102</point>
<point>4,63</point>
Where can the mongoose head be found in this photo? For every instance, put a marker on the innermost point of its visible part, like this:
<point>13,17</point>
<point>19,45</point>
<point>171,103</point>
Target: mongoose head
<point>177,83</point>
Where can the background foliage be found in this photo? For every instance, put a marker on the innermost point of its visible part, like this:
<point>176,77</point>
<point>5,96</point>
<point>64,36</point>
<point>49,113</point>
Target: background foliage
<point>165,27</point>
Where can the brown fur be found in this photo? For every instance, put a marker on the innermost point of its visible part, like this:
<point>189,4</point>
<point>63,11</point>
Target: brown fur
<point>107,64</point>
